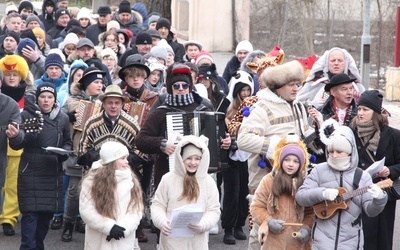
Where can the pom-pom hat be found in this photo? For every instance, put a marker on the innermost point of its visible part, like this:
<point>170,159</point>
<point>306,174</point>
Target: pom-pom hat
<point>53,60</point>
<point>124,7</point>
<point>177,73</point>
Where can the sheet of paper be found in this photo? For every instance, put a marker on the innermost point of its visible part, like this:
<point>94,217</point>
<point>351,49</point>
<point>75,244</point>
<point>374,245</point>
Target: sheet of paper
<point>376,167</point>
<point>182,217</point>
<point>60,151</point>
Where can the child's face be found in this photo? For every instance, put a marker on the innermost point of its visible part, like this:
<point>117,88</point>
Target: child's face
<point>245,92</point>
<point>290,164</point>
<point>338,154</point>
<point>154,77</point>
<point>192,163</point>
<point>121,163</point>
<point>134,82</point>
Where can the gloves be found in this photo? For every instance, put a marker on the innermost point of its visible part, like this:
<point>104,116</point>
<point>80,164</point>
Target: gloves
<point>116,232</point>
<point>303,235</point>
<point>376,192</point>
<point>275,226</point>
<point>166,229</point>
<point>330,194</point>
<point>199,228</point>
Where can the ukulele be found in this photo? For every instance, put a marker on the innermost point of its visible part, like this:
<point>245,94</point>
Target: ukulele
<point>328,209</point>
<point>30,125</point>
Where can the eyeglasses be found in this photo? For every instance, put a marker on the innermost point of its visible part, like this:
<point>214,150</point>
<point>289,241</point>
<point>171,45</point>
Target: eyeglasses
<point>178,86</point>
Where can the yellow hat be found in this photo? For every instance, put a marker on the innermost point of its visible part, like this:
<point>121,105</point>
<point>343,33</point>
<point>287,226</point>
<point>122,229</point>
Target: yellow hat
<point>14,63</point>
<point>39,32</point>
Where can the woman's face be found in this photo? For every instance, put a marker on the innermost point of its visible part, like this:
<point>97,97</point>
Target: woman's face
<point>206,82</point>
<point>290,164</point>
<point>192,163</point>
<point>78,75</point>
<point>121,163</point>
<point>109,61</point>
<point>121,38</point>
<point>95,87</point>
<point>40,40</point>
<point>46,102</point>
<point>154,77</point>
<point>84,22</point>
<point>111,41</point>
<point>245,92</point>
<point>12,78</point>
<point>364,113</point>
<point>69,48</point>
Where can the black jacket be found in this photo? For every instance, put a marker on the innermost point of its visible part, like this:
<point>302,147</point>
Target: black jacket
<point>230,69</point>
<point>93,32</point>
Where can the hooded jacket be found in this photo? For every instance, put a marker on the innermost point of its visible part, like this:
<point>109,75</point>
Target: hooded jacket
<point>171,187</point>
<point>48,19</point>
<point>345,228</point>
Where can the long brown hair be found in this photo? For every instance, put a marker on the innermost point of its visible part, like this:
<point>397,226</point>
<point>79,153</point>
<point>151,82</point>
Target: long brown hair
<point>103,191</point>
<point>378,120</point>
<point>191,189</point>
<point>233,108</point>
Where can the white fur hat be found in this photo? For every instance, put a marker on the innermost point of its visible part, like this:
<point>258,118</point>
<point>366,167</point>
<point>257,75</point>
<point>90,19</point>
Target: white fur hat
<point>84,13</point>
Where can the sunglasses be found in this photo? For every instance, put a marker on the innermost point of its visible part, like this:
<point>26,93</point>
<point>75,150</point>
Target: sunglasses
<point>178,86</point>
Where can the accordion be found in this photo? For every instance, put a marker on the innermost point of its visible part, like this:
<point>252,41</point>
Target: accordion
<point>138,110</point>
<point>209,124</point>
<point>86,109</point>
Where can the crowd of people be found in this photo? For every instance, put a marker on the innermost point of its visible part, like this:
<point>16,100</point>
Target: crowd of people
<point>86,97</point>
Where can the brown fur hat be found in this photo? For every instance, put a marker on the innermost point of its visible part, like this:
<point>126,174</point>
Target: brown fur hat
<point>280,75</point>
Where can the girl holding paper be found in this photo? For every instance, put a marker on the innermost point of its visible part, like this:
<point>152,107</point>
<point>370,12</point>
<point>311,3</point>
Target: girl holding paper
<point>375,140</point>
<point>188,183</point>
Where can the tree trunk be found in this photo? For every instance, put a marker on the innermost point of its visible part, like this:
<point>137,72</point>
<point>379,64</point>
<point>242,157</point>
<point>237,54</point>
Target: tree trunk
<point>161,6</point>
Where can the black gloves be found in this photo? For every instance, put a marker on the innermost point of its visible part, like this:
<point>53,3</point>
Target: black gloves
<point>116,232</point>
<point>88,158</point>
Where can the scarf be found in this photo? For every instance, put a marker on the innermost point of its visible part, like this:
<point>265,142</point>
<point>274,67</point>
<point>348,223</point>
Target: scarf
<point>368,134</point>
<point>339,164</point>
<point>179,100</point>
<point>16,93</point>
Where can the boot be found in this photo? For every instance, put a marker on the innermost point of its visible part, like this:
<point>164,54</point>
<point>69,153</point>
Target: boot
<point>80,225</point>
<point>239,234</point>
<point>8,229</point>
<point>229,239</point>
<point>67,232</point>
<point>57,222</point>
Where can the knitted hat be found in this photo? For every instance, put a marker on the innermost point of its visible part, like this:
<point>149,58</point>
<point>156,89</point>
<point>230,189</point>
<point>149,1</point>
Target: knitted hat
<point>124,7</point>
<point>13,35</point>
<point>339,79</point>
<point>193,42</point>
<point>163,22</point>
<point>133,58</point>
<point>23,43</point>
<point>46,87</point>
<point>53,60</point>
<point>28,33</point>
<point>71,38</point>
<point>58,52</point>
<point>104,10</point>
<point>290,145</point>
<point>111,151</point>
<point>84,13</point>
<point>89,75</point>
<point>190,150</point>
<point>61,12</point>
<point>371,99</point>
<point>31,18</point>
<point>280,75</point>
<point>15,63</point>
<point>39,32</point>
<point>154,33</point>
<point>11,8</point>
<point>176,73</point>
<point>109,52</point>
<point>113,91</point>
<point>72,23</point>
<point>25,5</point>
<point>113,25</point>
<point>337,141</point>
<point>84,42</point>
<point>201,55</point>
<point>165,44</point>
<point>153,17</point>
<point>244,45</point>
<point>208,71</point>
<point>160,52</point>
<point>144,38</point>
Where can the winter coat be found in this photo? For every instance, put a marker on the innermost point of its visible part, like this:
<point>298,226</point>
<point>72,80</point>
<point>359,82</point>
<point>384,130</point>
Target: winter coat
<point>154,131</point>
<point>37,68</point>
<point>270,119</point>
<point>9,110</point>
<point>65,89</point>
<point>328,111</point>
<point>171,187</point>
<point>378,231</point>
<point>339,232</point>
<point>47,19</point>
<point>134,24</point>
<point>55,32</point>
<point>261,211</point>
<point>98,226</point>
<point>128,52</point>
<point>231,67</point>
<point>178,48</point>
<point>40,185</point>
<point>93,32</point>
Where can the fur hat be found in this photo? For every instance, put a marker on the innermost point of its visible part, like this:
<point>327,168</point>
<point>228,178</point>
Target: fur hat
<point>243,45</point>
<point>39,32</point>
<point>53,60</point>
<point>280,75</point>
<point>371,99</point>
<point>111,151</point>
<point>144,38</point>
<point>290,145</point>
<point>201,55</point>
<point>163,22</point>
<point>23,43</point>
<point>15,63</point>
<point>46,87</point>
<point>124,7</point>
<point>190,150</point>
<point>176,73</point>
<point>89,75</point>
